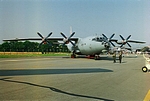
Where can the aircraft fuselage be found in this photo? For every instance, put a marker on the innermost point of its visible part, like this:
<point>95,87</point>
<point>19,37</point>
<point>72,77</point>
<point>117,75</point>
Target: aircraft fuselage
<point>88,46</point>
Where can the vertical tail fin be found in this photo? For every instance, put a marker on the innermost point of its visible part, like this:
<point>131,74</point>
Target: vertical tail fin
<point>70,30</point>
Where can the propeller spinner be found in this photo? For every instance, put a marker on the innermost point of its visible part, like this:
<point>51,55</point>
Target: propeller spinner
<point>44,39</point>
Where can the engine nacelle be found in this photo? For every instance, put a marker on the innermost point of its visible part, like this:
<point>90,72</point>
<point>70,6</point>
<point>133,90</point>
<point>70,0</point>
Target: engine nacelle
<point>65,41</point>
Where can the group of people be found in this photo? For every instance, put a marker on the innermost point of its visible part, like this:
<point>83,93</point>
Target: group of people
<point>120,56</point>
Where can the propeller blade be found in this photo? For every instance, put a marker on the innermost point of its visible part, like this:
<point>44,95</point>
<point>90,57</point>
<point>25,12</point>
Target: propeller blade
<point>112,36</point>
<point>121,45</point>
<point>70,38</point>
<point>48,35</point>
<point>63,35</point>
<point>128,44</point>
<point>121,37</point>
<point>71,42</point>
<point>41,43</point>
<point>40,35</point>
<point>112,43</point>
<point>71,35</point>
<point>105,36</point>
<point>128,37</point>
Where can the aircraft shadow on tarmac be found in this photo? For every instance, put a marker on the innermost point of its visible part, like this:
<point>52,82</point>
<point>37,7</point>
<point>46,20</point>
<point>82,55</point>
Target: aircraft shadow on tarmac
<point>50,71</point>
<point>53,89</point>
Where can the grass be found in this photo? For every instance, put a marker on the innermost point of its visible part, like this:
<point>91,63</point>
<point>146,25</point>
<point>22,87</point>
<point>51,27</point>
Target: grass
<point>32,55</point>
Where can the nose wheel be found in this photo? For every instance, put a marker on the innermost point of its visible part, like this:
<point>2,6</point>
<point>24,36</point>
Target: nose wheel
<point>97,57</point>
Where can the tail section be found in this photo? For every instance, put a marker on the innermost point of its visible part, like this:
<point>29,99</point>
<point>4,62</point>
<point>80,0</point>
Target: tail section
<point>70,30</point>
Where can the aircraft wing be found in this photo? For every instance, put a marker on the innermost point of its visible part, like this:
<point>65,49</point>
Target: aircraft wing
<point>36,39</point>
<point>132,41</point>
<point>135,41</point>
<point>21,39</point>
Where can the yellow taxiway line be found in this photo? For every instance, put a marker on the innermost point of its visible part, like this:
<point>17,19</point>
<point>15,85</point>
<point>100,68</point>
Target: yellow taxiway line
<point>147,97</point>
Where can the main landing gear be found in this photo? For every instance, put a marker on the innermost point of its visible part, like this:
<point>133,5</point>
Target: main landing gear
<point>96,57</point>
<point>73,56</point>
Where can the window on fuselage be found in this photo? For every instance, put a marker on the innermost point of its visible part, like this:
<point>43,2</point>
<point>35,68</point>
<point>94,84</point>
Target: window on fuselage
<point>99,39</point>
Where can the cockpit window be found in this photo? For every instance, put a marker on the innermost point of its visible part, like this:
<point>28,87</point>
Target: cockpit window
<point>100,39</point>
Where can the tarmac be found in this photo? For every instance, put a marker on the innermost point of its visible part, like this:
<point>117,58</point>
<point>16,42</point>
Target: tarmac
<point>79,79</point>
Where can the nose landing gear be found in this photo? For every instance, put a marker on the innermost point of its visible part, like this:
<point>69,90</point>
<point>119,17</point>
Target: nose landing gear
<point>97,57</point>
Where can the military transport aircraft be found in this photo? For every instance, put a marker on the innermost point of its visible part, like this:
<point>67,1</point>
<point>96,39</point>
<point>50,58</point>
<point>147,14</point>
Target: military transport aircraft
<point>91,46</point>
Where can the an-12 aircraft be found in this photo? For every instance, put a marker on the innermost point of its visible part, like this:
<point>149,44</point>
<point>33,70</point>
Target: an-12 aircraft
<point>91,46</point>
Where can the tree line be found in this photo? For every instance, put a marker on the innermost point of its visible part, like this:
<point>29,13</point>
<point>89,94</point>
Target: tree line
<point>27,46</point>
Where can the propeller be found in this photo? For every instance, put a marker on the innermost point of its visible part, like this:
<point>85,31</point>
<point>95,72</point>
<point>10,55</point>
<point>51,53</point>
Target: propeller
<point>68,39</point>
<point>109,39</point>
<point>44,39</point>
<point>125,41</point>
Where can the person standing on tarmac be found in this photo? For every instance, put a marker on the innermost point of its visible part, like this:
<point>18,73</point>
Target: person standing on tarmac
<point>120,56</point>
<point>114,56</point>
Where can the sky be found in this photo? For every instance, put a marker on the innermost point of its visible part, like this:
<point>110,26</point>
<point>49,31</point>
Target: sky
<point>24,18</point>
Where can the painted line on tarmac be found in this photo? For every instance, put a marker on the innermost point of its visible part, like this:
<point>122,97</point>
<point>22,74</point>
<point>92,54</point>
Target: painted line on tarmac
<point>147,97</point>
<point>9,60</point>
<point>23,60</point>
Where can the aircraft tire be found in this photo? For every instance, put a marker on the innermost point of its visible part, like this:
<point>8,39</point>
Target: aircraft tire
<point>96,57</point>
<point>73,56</point>
<point>144,69</point>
